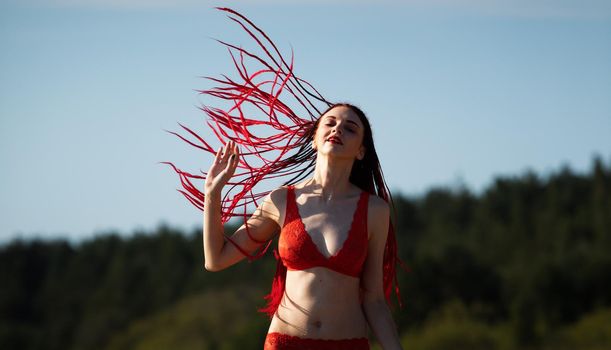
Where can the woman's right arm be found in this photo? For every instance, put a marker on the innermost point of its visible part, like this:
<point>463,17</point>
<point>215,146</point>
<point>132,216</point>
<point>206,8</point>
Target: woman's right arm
<point>262,225</point>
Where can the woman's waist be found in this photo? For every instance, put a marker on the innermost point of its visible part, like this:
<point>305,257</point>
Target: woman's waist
<point>322,285</point>
<point>329,307</point>
<point>319,322</point>
<point>321,303</point>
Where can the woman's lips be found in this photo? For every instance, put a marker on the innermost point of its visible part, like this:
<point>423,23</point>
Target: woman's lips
<point>335,140</point>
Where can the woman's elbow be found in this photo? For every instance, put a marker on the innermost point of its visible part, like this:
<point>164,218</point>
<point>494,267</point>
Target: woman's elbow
<point>374,300</point>
<point>209,266</point>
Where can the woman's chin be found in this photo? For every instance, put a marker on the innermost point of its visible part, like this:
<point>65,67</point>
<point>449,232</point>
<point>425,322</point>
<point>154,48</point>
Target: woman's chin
<point>335,153</point>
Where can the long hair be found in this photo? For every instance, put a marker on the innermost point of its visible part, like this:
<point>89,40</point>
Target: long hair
<point>274,139</point>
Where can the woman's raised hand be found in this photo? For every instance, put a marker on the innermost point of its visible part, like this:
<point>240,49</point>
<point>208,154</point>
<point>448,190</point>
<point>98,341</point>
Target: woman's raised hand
<point>225,163</point>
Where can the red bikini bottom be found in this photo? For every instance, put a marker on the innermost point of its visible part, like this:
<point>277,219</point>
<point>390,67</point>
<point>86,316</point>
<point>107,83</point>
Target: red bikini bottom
<point>279,341</point>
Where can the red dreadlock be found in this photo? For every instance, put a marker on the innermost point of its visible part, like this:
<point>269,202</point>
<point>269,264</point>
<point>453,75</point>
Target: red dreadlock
<point>267,156</point>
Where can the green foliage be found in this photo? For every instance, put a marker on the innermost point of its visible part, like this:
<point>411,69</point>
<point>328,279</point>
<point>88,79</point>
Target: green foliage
<point>524,265</point>
<point>453,327</point>
<point>215,319</point>
<point>592,332</point>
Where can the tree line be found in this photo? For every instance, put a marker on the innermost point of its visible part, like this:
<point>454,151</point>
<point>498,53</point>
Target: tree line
<point>523,265</point>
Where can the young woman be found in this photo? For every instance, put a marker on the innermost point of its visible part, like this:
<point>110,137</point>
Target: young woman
<point>332,238</point>
<point>336,245</point>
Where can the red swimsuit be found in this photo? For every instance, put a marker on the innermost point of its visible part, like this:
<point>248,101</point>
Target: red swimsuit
<point>297,251</point>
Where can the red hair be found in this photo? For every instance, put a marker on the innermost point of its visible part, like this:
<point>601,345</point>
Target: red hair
<point>274,142</point>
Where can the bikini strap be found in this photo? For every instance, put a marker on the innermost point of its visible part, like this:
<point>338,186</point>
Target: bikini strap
<point>290,205</point>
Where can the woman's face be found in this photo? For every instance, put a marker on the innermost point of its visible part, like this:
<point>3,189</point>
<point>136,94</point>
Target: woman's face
<point>340,134</point>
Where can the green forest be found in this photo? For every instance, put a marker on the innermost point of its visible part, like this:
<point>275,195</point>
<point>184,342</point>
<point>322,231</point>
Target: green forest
<point>523,265</point>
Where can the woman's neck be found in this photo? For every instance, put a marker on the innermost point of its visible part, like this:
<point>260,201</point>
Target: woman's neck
<point>332,178</point>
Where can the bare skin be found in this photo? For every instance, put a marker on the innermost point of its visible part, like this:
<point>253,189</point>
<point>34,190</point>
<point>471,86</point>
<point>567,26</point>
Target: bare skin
<point>318,302</point>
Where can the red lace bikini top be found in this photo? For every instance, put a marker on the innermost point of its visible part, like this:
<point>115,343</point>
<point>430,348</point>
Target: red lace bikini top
<point>298,251</point>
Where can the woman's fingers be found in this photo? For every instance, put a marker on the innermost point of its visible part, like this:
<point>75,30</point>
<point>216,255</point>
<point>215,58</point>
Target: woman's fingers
<point>221,154</point>
<point>225,162</point>
<point>224,157</point>
<point>233,161</point>
<point>228,150</point>
<point>227,157</point>
<point>236,159</point>
<point>217,157</point>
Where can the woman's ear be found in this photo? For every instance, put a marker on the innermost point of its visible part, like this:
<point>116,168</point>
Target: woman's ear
<point>313,144</point>
<point>361,154</point>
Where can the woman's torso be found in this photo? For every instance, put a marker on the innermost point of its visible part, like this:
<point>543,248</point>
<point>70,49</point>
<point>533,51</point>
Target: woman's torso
<point>323,301</point>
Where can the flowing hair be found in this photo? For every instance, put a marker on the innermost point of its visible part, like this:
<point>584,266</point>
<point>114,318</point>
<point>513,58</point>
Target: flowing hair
<point>274,141</point>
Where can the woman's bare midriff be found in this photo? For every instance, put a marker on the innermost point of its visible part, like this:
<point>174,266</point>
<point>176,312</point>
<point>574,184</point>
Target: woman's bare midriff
<point>320,303</point>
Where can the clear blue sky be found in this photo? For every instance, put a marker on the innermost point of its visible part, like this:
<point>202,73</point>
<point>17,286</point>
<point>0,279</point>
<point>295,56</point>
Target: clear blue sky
<point>456,91</point>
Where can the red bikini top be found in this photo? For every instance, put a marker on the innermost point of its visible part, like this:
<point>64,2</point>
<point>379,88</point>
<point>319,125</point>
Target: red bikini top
<point>298,251</point>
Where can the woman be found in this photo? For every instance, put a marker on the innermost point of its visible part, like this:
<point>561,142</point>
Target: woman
<point>336,245</point>
<point>332,237</point>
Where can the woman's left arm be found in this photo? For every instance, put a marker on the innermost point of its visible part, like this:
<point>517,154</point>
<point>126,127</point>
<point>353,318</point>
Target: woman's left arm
<point>374,304</point>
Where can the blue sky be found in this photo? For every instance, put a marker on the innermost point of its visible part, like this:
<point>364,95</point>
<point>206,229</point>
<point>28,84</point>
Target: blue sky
<point>456,92</point>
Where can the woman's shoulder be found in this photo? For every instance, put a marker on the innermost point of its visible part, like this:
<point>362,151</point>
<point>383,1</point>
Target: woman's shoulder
<point>274,204</point>
<point>378,213</point>
<point>277,196</point>
<point>378,206</point>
